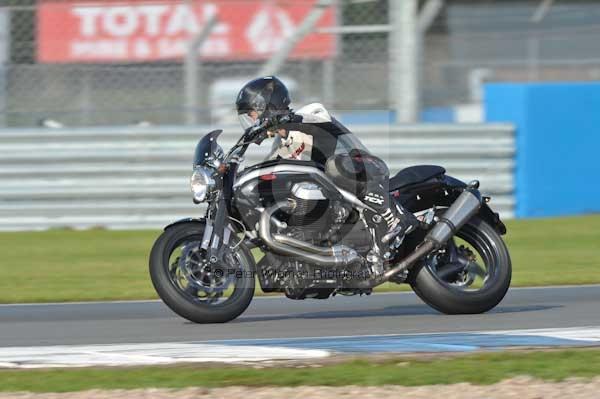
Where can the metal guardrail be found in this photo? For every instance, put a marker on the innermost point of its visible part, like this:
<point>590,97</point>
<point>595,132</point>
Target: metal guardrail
<point>137,177</point>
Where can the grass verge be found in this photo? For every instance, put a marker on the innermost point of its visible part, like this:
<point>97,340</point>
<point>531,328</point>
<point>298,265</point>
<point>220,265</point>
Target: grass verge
<point>63,265</point>
<point>485,368</point>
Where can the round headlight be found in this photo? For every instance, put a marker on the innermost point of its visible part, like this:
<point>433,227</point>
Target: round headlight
<point>201,183</point>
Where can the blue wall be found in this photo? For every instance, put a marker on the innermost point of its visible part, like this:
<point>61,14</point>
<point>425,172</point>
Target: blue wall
<point>373,117</point>
<point>558,144</point>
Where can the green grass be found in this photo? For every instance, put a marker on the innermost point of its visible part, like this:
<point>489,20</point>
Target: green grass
<point>484,368</point>
<point>64,265</point>
<point>555,251</point>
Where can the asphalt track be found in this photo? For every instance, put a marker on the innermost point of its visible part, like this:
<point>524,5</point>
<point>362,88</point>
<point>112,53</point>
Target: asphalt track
<point>276,317</point>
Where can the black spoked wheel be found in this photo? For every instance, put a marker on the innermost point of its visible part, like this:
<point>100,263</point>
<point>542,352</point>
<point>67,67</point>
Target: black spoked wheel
<point>199,289</point>
<point>471,274</point>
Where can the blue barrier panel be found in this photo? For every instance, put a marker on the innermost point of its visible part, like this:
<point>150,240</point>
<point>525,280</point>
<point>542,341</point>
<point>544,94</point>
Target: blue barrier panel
<point>558,144</point>
<point>376,117</point>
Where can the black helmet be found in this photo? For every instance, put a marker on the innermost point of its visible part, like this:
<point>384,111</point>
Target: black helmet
<point>266,96</point>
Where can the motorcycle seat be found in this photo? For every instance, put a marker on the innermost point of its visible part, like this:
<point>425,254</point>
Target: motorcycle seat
<point>415,175</point>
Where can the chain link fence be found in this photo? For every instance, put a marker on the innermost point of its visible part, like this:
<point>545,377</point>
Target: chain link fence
<point>106,62</point>
<point>473,42</point>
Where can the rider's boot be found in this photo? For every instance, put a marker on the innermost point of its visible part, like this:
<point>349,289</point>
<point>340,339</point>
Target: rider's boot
<point>400,222</point>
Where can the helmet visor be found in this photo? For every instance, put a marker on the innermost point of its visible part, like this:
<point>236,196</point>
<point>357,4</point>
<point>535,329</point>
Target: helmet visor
<point>247,121</point>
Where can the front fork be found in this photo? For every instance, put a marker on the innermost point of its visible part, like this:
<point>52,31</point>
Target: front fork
<point>216,235</point>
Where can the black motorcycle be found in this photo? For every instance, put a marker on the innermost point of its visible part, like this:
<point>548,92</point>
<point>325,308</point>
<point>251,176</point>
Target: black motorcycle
<point>314,237</point>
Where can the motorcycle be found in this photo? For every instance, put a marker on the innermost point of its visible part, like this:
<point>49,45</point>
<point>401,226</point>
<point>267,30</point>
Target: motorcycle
<point>315,237</point>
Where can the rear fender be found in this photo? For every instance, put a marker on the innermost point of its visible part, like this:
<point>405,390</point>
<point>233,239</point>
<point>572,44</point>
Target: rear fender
<point>443,191</point>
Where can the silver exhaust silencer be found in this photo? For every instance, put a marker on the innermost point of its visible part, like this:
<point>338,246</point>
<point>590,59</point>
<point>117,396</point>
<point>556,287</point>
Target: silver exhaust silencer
<point>460,212</point>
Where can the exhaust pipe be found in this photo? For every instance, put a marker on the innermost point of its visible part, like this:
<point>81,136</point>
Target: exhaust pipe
<point>338,255</point>
<point>460,212</point>
<point>326,251</point>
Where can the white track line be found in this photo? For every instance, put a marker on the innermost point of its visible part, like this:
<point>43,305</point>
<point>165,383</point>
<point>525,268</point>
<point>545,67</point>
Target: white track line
<point>207,351</point>
<point>146,354</point>
<point>588,334</point>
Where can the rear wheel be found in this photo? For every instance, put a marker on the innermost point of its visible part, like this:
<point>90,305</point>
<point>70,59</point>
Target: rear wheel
<point>471,274</point>
<point>194,287</point>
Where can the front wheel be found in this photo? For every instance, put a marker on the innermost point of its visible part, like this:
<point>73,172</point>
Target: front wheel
<point>194,287</point>
<point>471,274</point>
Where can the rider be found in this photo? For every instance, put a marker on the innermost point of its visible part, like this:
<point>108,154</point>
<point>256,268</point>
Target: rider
<point>311,134</point>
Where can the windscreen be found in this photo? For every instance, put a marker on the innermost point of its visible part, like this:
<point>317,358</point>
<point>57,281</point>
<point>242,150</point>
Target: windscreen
<point>207,147</point>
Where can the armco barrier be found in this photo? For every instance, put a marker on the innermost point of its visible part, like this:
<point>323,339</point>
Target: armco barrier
<point>138,177</point>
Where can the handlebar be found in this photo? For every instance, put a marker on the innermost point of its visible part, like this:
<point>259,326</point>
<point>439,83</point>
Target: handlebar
<point>256,134</point>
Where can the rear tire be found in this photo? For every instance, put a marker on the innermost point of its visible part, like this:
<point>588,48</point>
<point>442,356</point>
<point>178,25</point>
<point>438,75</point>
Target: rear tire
<point>185,306</point>
<point>452,300</point>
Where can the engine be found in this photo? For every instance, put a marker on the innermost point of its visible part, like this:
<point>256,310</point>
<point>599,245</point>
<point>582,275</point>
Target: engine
<point>319,220</point>
<point>313,218</point>
<point>310,211</point>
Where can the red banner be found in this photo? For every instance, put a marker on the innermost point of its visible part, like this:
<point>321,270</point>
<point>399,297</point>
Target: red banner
<point>142,30</point>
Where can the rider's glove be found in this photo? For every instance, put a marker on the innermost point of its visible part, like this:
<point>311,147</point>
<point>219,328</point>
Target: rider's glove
<point>258,134</point>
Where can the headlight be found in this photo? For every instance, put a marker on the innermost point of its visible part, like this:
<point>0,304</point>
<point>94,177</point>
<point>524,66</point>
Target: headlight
<point>201,183</point>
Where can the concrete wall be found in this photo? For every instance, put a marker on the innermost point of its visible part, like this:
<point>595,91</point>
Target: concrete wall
<point>558,141</point>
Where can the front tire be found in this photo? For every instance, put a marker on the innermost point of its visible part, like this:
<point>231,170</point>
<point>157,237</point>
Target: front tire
<point>185,304</point>
<point>452,299</point>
